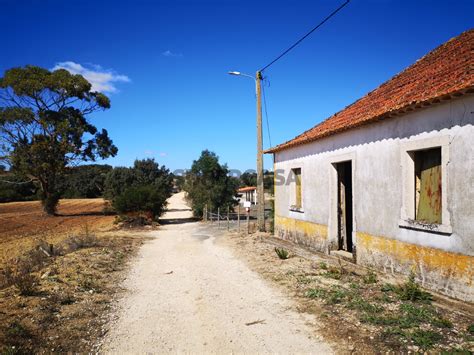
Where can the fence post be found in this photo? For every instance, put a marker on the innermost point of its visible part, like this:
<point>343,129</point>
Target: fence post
<point>218,217</point>
<point>205,213</point>
<point>238,217</point>
<point>228,220</point>
<point>248,222</point>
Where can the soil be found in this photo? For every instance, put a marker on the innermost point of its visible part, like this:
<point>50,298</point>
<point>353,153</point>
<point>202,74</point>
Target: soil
<point>351,301</point>
<point>21,223</point>
<point>73,288</point>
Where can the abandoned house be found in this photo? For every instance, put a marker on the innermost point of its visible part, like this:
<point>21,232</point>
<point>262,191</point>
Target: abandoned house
<point>388,182</point>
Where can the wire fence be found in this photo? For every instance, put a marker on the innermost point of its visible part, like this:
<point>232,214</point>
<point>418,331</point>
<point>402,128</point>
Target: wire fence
<point>240,220</point>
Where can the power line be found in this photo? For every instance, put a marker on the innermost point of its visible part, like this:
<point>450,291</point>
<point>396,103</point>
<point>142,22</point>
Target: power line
<point>306,35</point>
<point>266,115</point>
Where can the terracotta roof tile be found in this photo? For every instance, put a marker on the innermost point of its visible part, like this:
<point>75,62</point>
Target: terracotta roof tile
<point>445,71</point>
<point>247,188</point>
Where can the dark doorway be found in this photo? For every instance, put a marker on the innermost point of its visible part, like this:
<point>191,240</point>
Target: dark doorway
<point>344,205</point>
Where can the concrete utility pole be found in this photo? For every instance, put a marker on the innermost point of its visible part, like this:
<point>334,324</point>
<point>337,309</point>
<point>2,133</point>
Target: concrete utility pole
<point>260,189</point>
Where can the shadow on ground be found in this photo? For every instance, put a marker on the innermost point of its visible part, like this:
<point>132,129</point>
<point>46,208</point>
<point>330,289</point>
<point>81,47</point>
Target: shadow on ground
<point>178,220</point>
<point>178,210</point>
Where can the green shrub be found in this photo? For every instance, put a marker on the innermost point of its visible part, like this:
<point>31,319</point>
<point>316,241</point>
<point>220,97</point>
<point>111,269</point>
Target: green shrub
<point>140,192</point>
<point>148,199</point>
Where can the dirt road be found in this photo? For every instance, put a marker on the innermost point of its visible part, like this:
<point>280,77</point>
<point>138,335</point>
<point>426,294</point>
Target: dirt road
<point>187,294</point>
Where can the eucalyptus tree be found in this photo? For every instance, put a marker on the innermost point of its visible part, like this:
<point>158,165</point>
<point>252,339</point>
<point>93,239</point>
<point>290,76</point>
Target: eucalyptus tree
<point>44,127</point>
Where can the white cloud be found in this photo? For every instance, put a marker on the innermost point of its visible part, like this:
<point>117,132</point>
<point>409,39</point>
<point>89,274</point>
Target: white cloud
<point>163,154</point>
<point>102,80</point>
<point>168,53</point>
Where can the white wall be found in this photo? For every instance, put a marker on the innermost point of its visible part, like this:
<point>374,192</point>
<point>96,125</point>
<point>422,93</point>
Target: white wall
<point>376,154</point>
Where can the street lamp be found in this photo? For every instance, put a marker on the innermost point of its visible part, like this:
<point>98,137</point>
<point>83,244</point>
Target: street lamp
<point>260,189</point>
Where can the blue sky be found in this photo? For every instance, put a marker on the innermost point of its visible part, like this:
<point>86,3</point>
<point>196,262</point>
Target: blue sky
<point>164,63</point>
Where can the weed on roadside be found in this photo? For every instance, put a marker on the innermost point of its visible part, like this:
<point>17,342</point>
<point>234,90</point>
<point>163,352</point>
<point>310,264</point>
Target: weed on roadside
<point>403,313</point>
<point>333,273</point>
<point>411,291</point>
<point>316,292</point>
<point>17,335</point>
<point>336,294</point>
<point>470,328</point>
<point>370,278</point>
<point>303,279</point>
<point>282,253</point>
<point>89,284</point>
<point>425,338</point>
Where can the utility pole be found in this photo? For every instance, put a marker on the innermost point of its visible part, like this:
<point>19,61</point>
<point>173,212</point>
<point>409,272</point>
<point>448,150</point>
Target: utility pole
<point>260,189</point>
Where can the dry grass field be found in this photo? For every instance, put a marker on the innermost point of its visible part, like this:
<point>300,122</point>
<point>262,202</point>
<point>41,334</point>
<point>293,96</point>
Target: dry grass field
<point>21,223</point>
<point>58,275</point>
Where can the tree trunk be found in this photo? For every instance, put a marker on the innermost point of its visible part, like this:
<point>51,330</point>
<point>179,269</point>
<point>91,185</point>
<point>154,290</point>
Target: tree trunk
<point>49,198</point>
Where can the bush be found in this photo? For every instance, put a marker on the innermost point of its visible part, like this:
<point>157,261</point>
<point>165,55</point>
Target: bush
<point>80,241</point>
<point>139,192</point>
<point>26,282</point>
<point>19,271</point>
<point>148,199</point>
<point>117,181</point>
<point>144,172</point>
<point>20,276</point>
<point>208,184</point>
<point>85,181</point>
<point>16,188</point>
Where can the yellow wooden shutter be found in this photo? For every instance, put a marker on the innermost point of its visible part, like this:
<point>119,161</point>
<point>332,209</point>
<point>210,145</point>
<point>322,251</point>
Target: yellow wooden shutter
<point>429,184</point>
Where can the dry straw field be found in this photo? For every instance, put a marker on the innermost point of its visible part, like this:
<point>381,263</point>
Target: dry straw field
<point>58,275</point>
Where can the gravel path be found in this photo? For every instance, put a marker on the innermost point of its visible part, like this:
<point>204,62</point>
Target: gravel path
<point>188,295</point>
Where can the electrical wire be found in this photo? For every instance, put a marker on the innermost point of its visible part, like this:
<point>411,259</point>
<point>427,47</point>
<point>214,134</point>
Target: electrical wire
<point>306,35</point>
<point>266,115</point>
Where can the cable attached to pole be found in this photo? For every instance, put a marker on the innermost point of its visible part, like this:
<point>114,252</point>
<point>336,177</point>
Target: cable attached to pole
<point>306,35</point>
<point>266,115</point>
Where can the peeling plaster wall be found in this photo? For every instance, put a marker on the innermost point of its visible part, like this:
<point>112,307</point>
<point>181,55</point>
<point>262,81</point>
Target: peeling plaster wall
<point>377,154</point>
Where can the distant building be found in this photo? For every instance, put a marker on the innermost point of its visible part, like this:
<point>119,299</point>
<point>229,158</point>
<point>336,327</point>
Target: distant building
<point>389,181</point>
<point>248,193</point>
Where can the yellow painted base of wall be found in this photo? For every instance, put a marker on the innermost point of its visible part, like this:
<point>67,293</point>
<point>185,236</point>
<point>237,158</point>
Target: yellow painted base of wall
<point>309,234</point>
<point>304,227</point>
<point>444,271</point>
